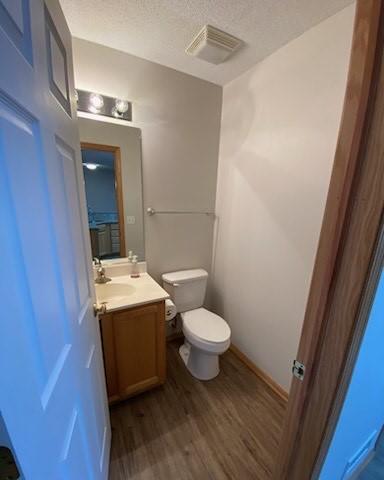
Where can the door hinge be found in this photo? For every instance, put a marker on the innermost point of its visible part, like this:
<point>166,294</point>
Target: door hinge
<point>298,370</point>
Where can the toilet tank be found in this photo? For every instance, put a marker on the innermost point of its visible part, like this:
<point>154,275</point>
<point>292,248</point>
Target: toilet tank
<point>187,288</point>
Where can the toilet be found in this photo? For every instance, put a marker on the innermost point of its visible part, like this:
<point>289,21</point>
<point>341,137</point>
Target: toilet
<point>206,334</point>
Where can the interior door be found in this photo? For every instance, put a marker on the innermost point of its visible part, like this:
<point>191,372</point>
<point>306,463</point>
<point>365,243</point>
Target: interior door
<point>52,394</point>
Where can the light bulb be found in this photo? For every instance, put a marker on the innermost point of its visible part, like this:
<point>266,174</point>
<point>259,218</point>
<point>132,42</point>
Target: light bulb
<point>122,106</point>
<point>96,101</point>
<point>91,166</point>
<point>115,113</point>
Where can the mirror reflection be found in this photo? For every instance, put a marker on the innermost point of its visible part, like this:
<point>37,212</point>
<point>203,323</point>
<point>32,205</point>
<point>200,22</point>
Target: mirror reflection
<point>111,157</point>
<point>102,190</point>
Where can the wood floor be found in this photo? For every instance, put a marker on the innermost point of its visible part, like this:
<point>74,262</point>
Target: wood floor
<point>227,428</point>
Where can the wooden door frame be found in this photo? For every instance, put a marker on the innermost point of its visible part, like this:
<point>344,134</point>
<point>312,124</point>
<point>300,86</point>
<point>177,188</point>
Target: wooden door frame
<point>333,324</point>
<point>362,319</point>
<point>119,186</point>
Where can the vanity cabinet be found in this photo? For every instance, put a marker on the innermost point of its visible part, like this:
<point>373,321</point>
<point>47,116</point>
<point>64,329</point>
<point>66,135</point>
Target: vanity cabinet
<point>134,349</point>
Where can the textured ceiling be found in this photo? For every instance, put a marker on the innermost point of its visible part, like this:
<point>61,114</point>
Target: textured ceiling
<point>160,30</point>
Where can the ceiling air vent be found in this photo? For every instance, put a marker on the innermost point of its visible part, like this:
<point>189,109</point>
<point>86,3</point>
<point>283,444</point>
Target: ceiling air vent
<point>213,45</point>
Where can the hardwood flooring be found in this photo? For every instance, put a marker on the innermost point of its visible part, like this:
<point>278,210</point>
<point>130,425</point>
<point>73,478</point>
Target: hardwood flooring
<point>227,428</point>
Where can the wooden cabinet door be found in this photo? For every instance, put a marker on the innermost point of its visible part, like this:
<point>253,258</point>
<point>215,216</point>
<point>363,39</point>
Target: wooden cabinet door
<point>134,349</point>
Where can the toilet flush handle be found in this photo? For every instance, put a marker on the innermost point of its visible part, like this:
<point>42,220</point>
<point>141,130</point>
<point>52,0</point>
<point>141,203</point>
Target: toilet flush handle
<point>175,284</point>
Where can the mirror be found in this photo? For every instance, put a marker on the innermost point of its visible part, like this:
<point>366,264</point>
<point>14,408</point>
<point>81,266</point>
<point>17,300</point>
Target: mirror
<point>101,168</point>
<point>111,156</point>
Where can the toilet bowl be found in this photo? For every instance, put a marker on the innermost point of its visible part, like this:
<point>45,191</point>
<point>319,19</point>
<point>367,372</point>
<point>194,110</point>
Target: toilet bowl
<point>207,335</point>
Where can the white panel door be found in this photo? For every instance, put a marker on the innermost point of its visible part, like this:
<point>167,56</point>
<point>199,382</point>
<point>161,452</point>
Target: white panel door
<point>52,391</point>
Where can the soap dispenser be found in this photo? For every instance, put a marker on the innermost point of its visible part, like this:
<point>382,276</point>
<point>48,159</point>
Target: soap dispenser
<point>135,267</point>
<point>130,256</point>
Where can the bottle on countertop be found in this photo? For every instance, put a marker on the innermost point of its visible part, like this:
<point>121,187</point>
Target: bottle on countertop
<point>135,267</point>
<point>130,256</point>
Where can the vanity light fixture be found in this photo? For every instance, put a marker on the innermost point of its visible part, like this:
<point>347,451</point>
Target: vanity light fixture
<point>98,104</point>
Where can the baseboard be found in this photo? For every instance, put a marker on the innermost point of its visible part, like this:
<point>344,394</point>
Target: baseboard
<point>279,390</point>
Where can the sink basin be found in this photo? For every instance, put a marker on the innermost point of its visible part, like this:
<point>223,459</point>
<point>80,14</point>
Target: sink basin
<point>125,292</point>
<point>113,291</point>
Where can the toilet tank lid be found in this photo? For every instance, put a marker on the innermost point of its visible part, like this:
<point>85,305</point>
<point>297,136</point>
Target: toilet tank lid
<point>184,276</point>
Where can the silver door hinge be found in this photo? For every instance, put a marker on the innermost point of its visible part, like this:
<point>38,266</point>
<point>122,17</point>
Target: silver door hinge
<point>298,370</point>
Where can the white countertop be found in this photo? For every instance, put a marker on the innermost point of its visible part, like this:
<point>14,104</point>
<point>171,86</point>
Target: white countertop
<point>125,292</point>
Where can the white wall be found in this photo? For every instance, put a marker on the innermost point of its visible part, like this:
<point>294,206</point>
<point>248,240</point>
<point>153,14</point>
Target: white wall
<point>279,130</point>
<point>179,116</point>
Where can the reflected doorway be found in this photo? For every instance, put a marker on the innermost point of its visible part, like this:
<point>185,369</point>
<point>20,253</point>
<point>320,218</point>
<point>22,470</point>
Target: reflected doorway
<point>103,188</point>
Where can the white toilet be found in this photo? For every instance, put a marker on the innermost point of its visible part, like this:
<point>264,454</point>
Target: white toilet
<point>206,334</point>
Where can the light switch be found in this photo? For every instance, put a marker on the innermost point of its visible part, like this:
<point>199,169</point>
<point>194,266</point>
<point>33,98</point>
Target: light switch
<point>131,220</point>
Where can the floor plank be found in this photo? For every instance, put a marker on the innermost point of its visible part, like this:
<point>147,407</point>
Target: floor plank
<point>227,428</point>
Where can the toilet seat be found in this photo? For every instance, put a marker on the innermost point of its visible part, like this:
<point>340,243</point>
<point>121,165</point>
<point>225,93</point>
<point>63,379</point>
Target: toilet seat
<point>206,330</point>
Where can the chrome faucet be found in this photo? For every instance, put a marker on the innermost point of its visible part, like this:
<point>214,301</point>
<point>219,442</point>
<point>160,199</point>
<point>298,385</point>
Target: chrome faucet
<point>101,278</point>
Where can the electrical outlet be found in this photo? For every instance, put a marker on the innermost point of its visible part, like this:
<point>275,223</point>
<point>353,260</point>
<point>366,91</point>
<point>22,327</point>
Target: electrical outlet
<point>131,220</point>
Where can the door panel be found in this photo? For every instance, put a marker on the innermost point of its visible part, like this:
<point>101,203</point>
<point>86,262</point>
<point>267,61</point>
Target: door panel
<point>75,463</point>
<point>15,21</point>
<point>71,188</point>
<point>53,397</point>
<point>14,8</point>
<point>20,134</point>
<point>57,63</point>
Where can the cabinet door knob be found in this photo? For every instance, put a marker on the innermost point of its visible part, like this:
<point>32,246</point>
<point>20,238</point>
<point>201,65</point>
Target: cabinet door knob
<point>99,308</point>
